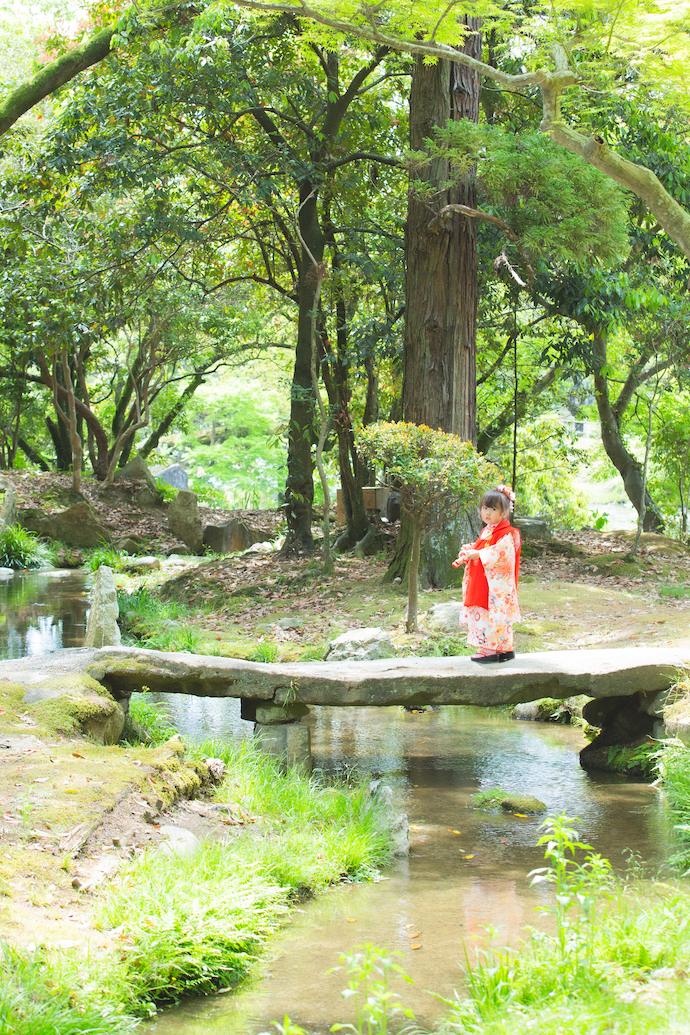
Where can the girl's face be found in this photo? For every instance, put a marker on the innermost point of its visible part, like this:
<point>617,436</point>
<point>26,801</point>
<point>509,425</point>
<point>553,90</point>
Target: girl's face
<point>490,515</point>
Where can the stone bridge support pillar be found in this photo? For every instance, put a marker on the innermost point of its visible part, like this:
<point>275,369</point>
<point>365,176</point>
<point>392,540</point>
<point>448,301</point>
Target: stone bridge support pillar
<point>278,731</point>
<point>626,724</point>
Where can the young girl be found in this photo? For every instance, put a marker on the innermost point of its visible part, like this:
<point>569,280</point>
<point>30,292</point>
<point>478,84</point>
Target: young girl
<point>489,588</point>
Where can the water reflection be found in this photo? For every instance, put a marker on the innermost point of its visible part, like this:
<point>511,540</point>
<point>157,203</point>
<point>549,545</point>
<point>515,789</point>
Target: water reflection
<point>42,611</point>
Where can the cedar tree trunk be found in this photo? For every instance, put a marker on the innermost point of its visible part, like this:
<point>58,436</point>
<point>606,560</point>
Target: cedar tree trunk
<point>439,372</point>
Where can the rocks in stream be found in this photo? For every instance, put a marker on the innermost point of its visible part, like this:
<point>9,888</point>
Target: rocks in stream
<point>628,727</point>
<point>549,710</point>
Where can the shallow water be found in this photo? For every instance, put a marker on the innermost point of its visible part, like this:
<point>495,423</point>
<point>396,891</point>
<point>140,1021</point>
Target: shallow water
<point>454,885</point>
<point>42,611</point>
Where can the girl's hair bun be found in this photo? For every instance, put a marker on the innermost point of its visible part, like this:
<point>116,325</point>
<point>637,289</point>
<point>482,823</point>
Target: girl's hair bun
<point>507,491</point>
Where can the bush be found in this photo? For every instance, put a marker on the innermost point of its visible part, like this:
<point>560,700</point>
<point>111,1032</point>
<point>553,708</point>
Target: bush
<point>20,549</point>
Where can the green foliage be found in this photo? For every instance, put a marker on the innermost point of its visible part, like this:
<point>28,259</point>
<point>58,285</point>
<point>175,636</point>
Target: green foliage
<point>441,647</point>
<point>555,205</point>
<point>674,768</point>
<point>548,460</point>
<point>21,549</point>
<point>193,924</point>
<point>33,1003</point>
<point>106,555</point>
<point>369,971</point>
<point>156,623</point>
<point>166,492</point>
<point>643,759</point>
<point>579,885</point>
<point>231,438</point>
<point>190,924</point>
<point>434,468</point>
<point>147,722</point>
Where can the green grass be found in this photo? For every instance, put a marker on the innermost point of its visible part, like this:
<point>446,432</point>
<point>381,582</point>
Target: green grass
<point>21,549</point>
<point>146,723</point>
<point>33,1002</point>
<point>107,555</point>
<point>674,767</point>
<point>156,623</point>
<point>191,925</point>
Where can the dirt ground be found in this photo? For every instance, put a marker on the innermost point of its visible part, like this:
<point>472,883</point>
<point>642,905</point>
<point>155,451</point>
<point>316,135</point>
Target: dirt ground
<point>72,812</point>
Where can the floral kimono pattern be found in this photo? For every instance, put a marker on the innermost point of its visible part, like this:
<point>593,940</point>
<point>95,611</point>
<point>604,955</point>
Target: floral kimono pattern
<point>492,630</point>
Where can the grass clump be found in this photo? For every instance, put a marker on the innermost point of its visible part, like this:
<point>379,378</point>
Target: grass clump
<point>21,549</point>
<point>314,833</point>
<point>190,925</point>
<point>147,723</point>
<point>106,555</point>
<point>156,623</point>
<point>265,650</point>
<point>33,1003</point>
<point>441,647</point>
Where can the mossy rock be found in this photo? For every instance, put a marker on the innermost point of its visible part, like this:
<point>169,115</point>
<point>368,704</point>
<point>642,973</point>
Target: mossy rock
<point>76,704</point>
<point>522,804</point>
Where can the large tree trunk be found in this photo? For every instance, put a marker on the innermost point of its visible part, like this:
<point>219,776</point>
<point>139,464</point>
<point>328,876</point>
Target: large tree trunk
<point>629,468</point>
<point>439,373</point>
<point>441,288</point>
<point>299,486</point>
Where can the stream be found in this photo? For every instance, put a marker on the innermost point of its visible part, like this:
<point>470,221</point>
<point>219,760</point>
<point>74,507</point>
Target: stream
<point>467,869</point>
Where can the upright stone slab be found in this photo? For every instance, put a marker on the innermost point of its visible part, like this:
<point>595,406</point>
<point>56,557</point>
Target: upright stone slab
<point>184,520</point>
<point>231,537</point>
<point>8,511</point>
<point>102,629</point>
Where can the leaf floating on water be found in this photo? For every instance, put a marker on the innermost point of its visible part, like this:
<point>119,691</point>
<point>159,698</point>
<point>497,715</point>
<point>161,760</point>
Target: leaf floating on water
<point>520,815</point>
<point>468,857</point>
<point>350,920</point>
<point>415,946</point>
<point>417,934</point>
<point>75,754</point>
<point>414,828</point>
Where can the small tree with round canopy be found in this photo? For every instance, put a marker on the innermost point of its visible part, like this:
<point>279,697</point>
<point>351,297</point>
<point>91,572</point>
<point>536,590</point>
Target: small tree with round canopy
<point>438,474</point>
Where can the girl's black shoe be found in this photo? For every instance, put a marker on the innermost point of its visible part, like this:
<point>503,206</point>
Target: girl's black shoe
<point>507,655</point>
<point>485,659</point>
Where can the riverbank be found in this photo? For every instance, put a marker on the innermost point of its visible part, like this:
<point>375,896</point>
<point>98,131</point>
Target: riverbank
<point>136,875</point>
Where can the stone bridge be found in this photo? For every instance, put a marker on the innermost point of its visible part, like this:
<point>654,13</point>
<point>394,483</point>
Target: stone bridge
<point>276,696</point>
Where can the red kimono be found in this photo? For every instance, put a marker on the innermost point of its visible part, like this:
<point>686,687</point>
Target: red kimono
<point>489,589</point>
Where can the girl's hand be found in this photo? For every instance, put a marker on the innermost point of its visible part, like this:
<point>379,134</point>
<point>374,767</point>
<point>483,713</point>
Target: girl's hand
<point>462,556</point>
<point>472,555</point>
